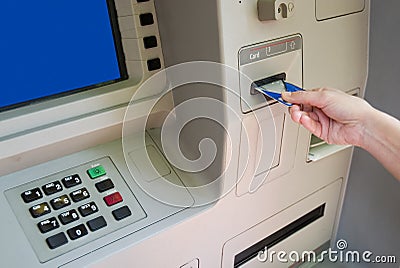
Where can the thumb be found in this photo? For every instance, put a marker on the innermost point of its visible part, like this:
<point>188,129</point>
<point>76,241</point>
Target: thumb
<point>312,98</point>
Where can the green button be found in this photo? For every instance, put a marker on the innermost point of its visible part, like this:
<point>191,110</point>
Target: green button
<point>96,172</point>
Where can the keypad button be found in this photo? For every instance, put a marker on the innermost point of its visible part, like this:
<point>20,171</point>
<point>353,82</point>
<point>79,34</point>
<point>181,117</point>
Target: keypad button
<point>88,209</point>
<point>96,172</point>
<point>71,181</point>
<point>105,185</point>
<point>60,202</point>
<point>113,199</point>
<point>79,195</point>
<point>40,210</point>
<point>56,240</point>
<point>121,213</point>
<point>31,195</point>
<point>48,225</point>
<point>97,223</point>
<point>52,188</point>
<point>77,232</point>
<point>68,216</point>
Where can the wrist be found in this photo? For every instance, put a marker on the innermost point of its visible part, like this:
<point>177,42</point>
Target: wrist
<point>370,127</point>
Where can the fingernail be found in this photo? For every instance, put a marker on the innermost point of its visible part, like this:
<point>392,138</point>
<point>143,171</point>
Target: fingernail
<point>286,94</point>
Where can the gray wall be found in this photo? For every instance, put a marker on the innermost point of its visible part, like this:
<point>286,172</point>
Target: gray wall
<point>371,214</point>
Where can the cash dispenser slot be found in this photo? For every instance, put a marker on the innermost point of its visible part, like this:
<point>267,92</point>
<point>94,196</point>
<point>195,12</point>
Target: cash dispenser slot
<point>304,225</point>
<point>280,235</point>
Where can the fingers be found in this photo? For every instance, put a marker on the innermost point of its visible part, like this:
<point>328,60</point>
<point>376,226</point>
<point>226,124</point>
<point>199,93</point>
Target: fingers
<point>309,120</point>
<point>315,98</point>
<point>310,124</point>
<point>296,113</point>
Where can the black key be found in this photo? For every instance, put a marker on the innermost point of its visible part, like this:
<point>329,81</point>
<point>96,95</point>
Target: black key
<point>153,64</point>
<point>31,195</point>
<point>40,210</point>
<point>52,187</point>
<point>68,216</point>
<point>88,209</point>
<point>48,225</point>
<point>80,194</point>
<point>105,185</point>
<point>71,181</point>
<point>60,202</point>
<point>121,213</point>
<point>57,240</point>
<point>150,42</point>
<point>77,232</point>
<point>146,19</point>
<point>97,223</point>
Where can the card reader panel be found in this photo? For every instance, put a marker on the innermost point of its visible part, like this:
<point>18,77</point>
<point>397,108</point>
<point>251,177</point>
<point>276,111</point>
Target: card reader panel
<point>269,60</point>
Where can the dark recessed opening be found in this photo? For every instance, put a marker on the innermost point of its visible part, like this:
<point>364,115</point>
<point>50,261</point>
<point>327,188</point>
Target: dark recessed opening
<point>153,64</point>
<point>150,42</point>
<point>146,19</point>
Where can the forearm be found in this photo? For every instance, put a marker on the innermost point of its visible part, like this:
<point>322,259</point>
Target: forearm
<point>381,138</point>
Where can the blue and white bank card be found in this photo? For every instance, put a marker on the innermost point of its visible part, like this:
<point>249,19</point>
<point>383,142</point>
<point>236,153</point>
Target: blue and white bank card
<point>274,90</point>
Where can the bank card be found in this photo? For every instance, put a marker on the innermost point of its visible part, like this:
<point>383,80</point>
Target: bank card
<point>274,90</point>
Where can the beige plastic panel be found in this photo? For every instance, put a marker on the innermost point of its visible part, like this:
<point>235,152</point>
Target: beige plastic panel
<point>266,151</point>
<point>152,168</point>
<point>326,9</point>
<point>308,238</point>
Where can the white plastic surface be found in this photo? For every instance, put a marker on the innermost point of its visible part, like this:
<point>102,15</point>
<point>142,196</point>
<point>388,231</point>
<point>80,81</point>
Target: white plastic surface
<point>326,9</point>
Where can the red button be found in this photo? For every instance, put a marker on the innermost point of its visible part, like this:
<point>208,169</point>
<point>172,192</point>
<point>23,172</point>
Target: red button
<point>113,199</point>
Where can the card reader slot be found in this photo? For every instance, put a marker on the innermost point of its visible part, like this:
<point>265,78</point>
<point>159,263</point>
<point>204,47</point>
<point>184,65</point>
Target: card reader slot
<point>264,81</point>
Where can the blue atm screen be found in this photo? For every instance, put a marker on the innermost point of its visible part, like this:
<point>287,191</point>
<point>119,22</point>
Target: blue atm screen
<point>49,48</point>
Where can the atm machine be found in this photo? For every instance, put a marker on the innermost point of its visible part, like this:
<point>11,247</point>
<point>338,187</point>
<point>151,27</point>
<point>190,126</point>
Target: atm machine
<point>173,160</point>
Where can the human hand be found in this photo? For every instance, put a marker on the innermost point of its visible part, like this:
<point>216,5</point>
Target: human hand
<point>330,114</point>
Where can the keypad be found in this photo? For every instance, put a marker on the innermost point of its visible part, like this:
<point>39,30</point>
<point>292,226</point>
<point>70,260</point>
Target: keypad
<point>81,204</point>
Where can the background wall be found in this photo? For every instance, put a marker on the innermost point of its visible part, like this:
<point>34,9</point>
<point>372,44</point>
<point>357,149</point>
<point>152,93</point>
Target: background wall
<point>371,214</point>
